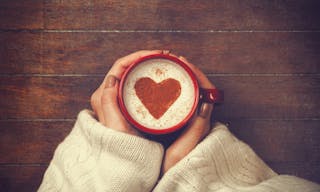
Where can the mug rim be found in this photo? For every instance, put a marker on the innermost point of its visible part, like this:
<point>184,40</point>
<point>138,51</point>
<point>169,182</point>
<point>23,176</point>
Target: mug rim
<point>150,130</point>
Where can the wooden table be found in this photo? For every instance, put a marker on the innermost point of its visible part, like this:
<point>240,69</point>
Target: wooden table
<point>265,55</point>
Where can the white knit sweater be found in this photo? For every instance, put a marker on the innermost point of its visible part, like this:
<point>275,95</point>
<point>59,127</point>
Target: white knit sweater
<point>95,158</point>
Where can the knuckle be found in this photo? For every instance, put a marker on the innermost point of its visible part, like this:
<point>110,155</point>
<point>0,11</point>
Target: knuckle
<point>118,61</point>
<point>94,100</point>
<point>106,98</point>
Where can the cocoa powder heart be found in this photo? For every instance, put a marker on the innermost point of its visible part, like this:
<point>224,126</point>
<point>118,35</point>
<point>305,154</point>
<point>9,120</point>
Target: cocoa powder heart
<point>157,97</point>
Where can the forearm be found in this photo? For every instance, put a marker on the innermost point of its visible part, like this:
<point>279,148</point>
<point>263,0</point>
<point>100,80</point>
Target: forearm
<point>95,158</point>
<point>223,163</point>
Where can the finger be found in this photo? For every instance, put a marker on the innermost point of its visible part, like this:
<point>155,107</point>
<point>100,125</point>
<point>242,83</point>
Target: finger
<point>202,78</point>
<point>184,144</point>
<point>204,82</point>
<point>111,112</point>
<point>96,105</point>
<point>195,130</point>
<point>194,133</point>
<point>123,63</point>
<point>166,52</point>
<point>205,110</point>
<point>118,69</point>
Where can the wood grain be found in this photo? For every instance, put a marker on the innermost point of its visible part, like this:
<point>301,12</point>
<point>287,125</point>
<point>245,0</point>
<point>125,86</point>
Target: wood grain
<point>275,97</point>
<point>45,97</point>
<point>31,141</point>
<point>274,141</point>
<point>20,52</point>
<point>18,178</point>
<point>94,53</point>
<point>189,15</point>
<point>21,14</point>
<point>308,171</point>
<point>58,97</point>
<point>265,55</point>
<point>160,15</point>
<point>280,140</point>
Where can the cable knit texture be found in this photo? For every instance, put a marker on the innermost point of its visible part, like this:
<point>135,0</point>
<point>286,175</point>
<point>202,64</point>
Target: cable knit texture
<point>222,163</point>
<point>95,158</point>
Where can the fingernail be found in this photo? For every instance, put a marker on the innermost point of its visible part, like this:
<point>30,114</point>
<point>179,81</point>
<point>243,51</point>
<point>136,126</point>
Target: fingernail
<point>111,81</point>
<point>205,110</point>
<point>183,58</point>
<point>166,52</point>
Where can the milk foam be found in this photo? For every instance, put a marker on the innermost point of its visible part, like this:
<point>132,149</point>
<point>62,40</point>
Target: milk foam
<point>159,70</point>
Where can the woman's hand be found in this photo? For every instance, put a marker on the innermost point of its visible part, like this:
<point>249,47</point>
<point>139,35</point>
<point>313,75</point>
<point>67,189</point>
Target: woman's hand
<point>104,100</point>
<point>105,105</point>
<point>198,128</point>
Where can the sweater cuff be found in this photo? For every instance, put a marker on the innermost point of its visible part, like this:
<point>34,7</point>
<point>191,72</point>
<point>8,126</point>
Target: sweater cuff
<point>130,147</point>
<point>219,162</point>
<point>96,158</point>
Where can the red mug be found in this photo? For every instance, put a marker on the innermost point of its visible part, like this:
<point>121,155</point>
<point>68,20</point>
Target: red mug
<point>200,94</point>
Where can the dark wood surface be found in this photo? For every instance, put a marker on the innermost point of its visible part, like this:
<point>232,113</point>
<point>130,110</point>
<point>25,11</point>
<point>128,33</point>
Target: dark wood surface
<point>93,53</point>
<point>265,55</point>
<point>247,96</point>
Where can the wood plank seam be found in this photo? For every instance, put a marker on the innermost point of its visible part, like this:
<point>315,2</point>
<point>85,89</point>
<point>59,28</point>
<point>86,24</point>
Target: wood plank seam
<point>153,31</point>
<point>208,74</point>
<point>231,119</point>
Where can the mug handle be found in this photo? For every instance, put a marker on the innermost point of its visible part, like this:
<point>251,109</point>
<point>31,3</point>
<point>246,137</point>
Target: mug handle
<point>211,95</point>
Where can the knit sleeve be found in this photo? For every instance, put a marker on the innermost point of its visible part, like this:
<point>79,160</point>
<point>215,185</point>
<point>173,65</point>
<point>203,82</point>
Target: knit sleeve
<point>223,163</point>
<point>95,158</point>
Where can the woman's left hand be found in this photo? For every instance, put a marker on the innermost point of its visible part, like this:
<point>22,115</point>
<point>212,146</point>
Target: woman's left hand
<point>104,100</point>
<point>198,128</point>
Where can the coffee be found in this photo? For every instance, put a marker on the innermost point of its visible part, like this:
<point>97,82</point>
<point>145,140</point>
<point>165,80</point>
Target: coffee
<point>151,94</point>
<point>159,94</point>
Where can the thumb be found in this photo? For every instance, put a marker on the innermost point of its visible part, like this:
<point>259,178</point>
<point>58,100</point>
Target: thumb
<point>194,133</point>
<point>111,112</point>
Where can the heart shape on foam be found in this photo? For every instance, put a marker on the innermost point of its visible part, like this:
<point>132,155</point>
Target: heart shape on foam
<point>157,97</point>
